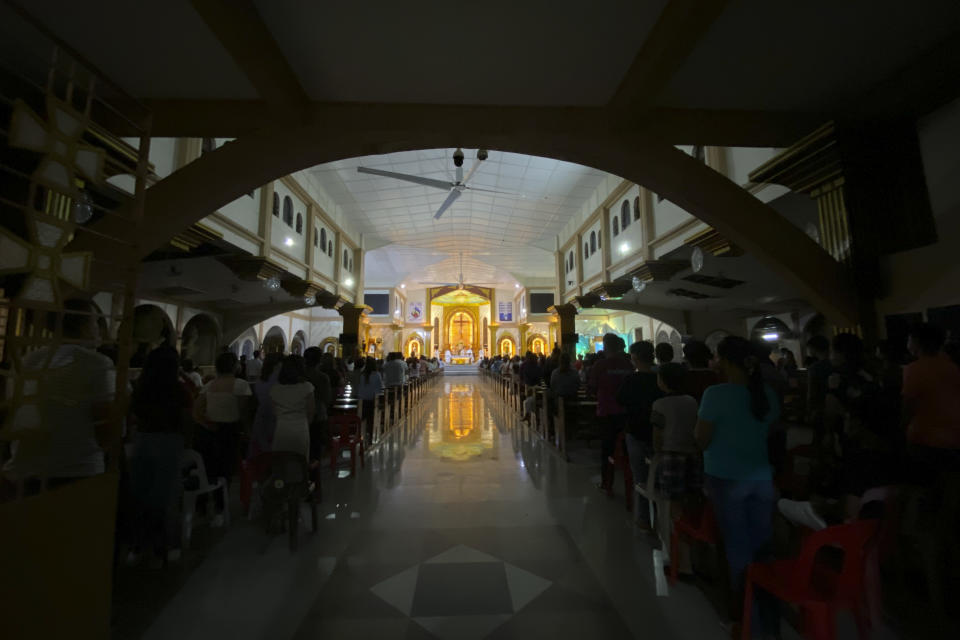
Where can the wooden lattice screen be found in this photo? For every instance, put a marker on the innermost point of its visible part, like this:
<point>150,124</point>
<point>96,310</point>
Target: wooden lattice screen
<point>62,171</point>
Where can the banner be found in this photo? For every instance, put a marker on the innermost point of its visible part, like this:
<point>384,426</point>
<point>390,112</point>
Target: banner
<point>505,311</point>
<point>415,312</point>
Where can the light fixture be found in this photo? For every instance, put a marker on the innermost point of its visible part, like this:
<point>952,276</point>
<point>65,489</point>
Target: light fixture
<point>83,208</point>
<point>348,282</point>
<point>624,247</point>
<point>309,300</point>
<point>516,285</point>
<point>272,283</point>
<point>771,337</point>
<point>403,286</point>
<point>288,242</point>
<point>638,284</point>
<point>696,260</point>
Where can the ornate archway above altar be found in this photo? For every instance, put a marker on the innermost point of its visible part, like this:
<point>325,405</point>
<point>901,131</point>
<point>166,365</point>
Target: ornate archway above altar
<point>460,338</point>
<point>468,294</point>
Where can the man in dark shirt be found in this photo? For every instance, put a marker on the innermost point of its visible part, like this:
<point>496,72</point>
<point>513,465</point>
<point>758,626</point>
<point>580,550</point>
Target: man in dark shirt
<point>818,374</point>
<point>700,375</point>
<point>605,378</point>
<point>530,371</point>
<point>637,394</point>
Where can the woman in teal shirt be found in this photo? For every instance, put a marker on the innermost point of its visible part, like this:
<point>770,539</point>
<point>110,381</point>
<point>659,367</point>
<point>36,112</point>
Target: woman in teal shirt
<point>732,428</point>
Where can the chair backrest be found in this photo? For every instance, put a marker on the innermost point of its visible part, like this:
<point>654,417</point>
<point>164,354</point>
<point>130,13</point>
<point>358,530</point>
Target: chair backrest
<point>852,538</point>
<point>191,460</point>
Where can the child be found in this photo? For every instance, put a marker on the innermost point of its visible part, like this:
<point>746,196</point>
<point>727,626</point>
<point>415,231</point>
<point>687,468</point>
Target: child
<point>680,471</point>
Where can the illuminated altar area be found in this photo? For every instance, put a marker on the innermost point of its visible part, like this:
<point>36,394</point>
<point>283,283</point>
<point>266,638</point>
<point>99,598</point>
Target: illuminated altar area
<point>461,322</point>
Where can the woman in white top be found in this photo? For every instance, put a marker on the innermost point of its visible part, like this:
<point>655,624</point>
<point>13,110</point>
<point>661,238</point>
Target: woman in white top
<point>294,406</point>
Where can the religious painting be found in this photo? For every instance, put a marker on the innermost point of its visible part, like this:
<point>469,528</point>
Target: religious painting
<point>415,312</point>
<point>505,311</point>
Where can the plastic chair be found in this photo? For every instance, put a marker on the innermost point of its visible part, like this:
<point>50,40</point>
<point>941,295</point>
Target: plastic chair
<point>704,530</point>
<point>649,490</point>
<point>818,590</point>
<point>347,436</point>
<point>191,466</point>
<point>622,461</point>
<point>285,488</point>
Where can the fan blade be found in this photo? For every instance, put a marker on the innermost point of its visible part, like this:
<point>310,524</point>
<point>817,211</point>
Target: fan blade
<point>427,182</point>
<point>440,284</point>
<point>454,194</point>
<point>503,193</point>
<point>460,174</point>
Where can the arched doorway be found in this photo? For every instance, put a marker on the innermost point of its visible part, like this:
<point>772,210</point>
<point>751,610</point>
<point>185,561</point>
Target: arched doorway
<point>537,344</point>
<point>299,343</point>
<point>152,327</point>
<point>507,347</point>
<point>200,340</point>
<point>414,347</point>
<point>247,348</point>
<point>275,341</point>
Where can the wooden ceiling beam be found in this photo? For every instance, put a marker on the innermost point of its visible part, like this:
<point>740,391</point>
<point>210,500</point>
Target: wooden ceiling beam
<point>678,30</point>
<point>242,32</point>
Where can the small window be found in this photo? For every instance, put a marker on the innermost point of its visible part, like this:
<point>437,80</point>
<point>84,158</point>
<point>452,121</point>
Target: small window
<point>616,226</point>
<point>625,215</point>
<point>300,223</point>
<point>346,258</point>
<point>323,239</point>
<point>636,208</point>
<point>316,238</point>
<point>276,205</point>
<point>586,250</point>
<point>287,211</point>
<point>208,145</point>
<point>330,249</point>
<point>593,242</point>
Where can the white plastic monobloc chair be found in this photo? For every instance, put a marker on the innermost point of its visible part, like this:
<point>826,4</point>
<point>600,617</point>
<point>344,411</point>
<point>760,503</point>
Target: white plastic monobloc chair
<point>192,463</point>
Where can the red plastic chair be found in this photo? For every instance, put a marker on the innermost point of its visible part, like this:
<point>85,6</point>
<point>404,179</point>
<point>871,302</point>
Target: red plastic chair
<point>346,430</point>
<point>704,530</point>
<point>819,590</point>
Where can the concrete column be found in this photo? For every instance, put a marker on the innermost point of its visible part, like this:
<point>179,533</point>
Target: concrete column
<point>567,315</point>
<point>350,338</point>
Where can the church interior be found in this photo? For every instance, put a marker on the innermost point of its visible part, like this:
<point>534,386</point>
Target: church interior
<point>425,213</point>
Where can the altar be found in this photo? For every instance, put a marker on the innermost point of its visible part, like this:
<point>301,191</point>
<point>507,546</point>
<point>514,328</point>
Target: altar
<point>461,360</point>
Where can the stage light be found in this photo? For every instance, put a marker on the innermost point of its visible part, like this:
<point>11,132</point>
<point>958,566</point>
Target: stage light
<point>771,337</point>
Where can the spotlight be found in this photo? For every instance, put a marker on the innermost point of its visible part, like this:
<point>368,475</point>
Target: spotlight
<point>771,337</point>
<point>403,286</point>
<point>348,282</point>
<point>482,154</point>
<point>309,301</point>
<point>272,283</point>
<point>638,284</point>
<point>83,208</point>
<point>458,157</point>
<point>516,285</point>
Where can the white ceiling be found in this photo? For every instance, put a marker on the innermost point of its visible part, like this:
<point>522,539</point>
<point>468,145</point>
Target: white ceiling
<point>503,237</point>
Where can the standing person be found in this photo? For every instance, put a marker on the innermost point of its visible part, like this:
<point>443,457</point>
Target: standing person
<point>371,384</point>
<point>323,398</point>
<point>190,374</point>
<point>637,394</point>
<point>221,410</point>
<point>680,474</point>
<point>732,428</point>
<point>818,373</point>
<point>605,379</point>
<point>294,406</point>
<point>530,371</point>
<point>264,420</point>
<point>787,364</point>
<point>700,376</point>
<point>664,352</point>
<point>76,394</point>
<point>564,381</point>
<point>254,367</point>
<point>161,405</point>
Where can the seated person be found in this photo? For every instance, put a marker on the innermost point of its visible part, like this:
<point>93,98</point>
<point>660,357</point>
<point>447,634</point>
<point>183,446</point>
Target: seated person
<point>680,473</point>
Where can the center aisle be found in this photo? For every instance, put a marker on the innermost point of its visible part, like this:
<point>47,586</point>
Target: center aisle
<point>462,525</point>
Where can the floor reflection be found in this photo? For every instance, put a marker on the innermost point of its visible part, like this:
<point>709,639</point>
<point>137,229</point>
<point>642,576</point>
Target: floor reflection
<point>462,430</point>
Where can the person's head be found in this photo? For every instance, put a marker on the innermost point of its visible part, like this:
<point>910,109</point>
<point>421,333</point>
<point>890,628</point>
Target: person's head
<point>226,364</point>
<point>531,357</point>
<point>270,364</point>
<point>256,354</point>
<point>671,377</point>
<point>925,339</point>
<point>565,362</point>
<point>579,356</point>
<point>79,320</point>
<point>697,354</point>
<point>612,343</point>
<point>642,354</point>
<point>848,351</point>
<point>327,361</point>
<point>819,347</point>
<point>664,352</point>
<point>311,357</point>
<point>291,370</point>
<point>159,381</point>
<point>737,359</point>
<point>787,356</point>
<point>369,367</point>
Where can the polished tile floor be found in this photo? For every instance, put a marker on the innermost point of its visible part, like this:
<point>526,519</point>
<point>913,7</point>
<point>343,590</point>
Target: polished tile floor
<point>462,525</point>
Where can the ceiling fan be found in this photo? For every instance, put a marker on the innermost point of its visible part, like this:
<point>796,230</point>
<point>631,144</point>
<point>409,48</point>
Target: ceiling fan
<point>455,188</point>
<point>459,283</point>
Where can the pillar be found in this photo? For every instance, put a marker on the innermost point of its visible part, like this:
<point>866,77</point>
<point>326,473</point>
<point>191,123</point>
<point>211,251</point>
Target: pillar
<point>567,329</point>
<point>350,338</point>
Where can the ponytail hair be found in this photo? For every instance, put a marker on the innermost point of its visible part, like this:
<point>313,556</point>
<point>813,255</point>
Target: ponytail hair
<point>741,354</point>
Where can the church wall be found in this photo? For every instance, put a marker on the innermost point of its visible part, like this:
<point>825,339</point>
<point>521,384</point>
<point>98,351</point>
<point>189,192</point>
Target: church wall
<point>285,239</point>
<point>245,210</point>
<point>594,263</point>
<point>629,241</point>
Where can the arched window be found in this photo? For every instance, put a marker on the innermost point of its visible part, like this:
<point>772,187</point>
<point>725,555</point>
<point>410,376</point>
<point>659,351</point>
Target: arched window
<point>593,242</point>
<point>288,211</point>
<point>300,223</point>
<point>276,205</point>
<point>586,250</point>
<point>625,214</point>
<point>616,226</point>
<point>636,208</point>
<point>330,249</point>
<point>316,238</point>
<point>571,260</point>
<point>208,145</point>
<point>323,239</point>
<point>346,257</point>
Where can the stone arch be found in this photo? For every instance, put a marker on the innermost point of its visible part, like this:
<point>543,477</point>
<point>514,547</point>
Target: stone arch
<point>299,343</point>
<point>413,346</point>
<point>328,345</point>
<point>200,340</point>
<point>625,214</point>
<point>247,348</point>
<point>275,340</point>
<point>506,345</point>
<point>645,159</point>
<point>537,343</point>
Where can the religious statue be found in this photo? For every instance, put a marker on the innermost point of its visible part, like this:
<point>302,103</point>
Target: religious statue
<point>446,356</point>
